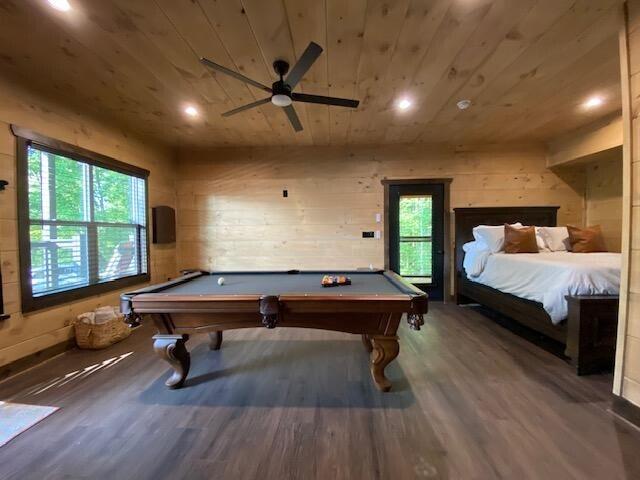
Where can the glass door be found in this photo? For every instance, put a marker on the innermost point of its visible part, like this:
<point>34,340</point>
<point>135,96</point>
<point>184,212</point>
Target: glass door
<point>415,238</point>
<point>416,235</point>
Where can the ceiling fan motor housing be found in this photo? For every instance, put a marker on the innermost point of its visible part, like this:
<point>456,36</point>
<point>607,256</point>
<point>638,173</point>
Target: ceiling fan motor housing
<point>281,94</point>
<point>281,88</point>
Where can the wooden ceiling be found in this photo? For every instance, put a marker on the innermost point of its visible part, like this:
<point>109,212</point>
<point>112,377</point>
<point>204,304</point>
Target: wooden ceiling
<point>527,66</point>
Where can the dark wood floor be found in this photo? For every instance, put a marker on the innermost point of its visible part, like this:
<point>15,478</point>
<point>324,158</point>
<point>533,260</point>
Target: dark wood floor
<point>471,401</point>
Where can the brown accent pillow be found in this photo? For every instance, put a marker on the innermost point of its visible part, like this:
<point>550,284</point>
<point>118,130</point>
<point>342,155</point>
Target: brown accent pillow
<point>586,240</point>
<point>520,240</point>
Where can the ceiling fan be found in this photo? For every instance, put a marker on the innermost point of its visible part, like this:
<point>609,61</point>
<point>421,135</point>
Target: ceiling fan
<point>281,90</point>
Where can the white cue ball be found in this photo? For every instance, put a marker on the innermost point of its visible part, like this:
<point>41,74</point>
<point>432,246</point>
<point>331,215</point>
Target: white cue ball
<point>221,281</point>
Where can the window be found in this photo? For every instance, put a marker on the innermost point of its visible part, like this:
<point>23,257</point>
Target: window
<point>416,243</point>
<point>83,223</point>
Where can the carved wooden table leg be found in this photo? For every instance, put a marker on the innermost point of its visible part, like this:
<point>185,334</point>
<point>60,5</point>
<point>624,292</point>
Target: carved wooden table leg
<point>385,350</point>
<point>172,349</point>
<point>366,342</point>
<point>215,340</point>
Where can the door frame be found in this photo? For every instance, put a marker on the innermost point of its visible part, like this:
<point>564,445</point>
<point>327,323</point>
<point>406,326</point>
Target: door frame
<point>446,183</point>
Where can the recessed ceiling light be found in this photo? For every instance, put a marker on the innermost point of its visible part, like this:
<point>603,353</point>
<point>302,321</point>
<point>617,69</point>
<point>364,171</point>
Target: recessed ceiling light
<point>463,104</point>
<point>191,111</point>
<point>593,102</point>
<point>62,5</point>
<point>404,103</point>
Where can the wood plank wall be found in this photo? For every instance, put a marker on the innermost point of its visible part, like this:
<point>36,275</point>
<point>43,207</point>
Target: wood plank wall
<point>592,139</point>
<point>627,374</point>
<point>604,196</point>
<point>23,335</point>
<point>597,148</point>
<point>232,215</point>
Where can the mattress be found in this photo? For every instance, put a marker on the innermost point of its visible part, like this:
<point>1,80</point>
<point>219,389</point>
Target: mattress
<point>547,277</point>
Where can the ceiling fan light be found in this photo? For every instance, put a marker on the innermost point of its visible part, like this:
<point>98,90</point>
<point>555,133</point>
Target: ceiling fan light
<point>281,100</point>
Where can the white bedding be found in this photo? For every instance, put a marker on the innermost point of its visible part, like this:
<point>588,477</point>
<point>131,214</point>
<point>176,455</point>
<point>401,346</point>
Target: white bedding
<point>475,258</point>
<point>547,277</point>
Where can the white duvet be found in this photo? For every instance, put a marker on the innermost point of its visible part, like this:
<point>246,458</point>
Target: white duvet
<point>547,277</point>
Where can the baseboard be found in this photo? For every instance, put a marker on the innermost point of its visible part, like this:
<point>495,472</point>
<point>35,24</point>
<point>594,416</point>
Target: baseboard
<point>34,359</point>
<point>627,410</point>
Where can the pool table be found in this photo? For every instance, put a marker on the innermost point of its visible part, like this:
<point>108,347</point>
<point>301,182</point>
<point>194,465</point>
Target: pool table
<point>371,306</point>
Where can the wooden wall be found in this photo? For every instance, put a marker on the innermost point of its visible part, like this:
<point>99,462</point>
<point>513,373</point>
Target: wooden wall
<point>597,149</point>
<point>586,142</point>
<point>231,213</point>
<point>603,196</point>
<point>627,373</point>
<point>23,335</point>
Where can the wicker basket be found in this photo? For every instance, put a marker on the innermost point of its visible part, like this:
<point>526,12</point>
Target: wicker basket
<point>99,336</point>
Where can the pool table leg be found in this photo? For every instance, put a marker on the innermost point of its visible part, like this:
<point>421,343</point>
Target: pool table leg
<point>384,350</point>
<point>215,340</point>
<point>172,349</point>
<point>366,341</point>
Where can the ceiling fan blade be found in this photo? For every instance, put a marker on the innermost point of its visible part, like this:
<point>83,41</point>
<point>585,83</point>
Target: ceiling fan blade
<point>246,107</point>
<point>304,63</point>
<point>339,102</point>
<point>233,74</point>
<point>293,118</point>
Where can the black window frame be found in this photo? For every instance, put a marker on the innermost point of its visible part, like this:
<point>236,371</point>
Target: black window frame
<point>3,316</point>
<point>26,138</point>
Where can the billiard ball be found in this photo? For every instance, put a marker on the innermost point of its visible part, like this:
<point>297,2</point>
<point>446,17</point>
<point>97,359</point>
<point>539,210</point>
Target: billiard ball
<point>221,281</point>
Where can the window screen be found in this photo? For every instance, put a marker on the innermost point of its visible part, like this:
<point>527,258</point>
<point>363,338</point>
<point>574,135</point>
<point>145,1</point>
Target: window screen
<point>87,224</point>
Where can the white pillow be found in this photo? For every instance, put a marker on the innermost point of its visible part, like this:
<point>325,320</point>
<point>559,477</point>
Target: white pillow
<point>475,258</point>
<point>474,246</point>
<point>492,236</point>
<point>556,238</point>
<point>542,245</point>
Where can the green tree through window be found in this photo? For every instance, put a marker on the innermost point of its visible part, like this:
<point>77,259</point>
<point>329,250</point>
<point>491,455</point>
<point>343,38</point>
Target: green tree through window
<point>416,237</point>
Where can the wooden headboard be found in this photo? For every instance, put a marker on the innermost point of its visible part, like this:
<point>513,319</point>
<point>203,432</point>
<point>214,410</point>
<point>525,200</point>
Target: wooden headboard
<point>467,218</point>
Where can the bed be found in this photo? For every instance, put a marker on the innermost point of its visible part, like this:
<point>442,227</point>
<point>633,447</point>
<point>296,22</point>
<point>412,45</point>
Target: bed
<point>584,322</point>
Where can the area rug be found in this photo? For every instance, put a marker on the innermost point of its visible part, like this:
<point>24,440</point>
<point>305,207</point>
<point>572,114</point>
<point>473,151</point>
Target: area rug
<point>15,418</point>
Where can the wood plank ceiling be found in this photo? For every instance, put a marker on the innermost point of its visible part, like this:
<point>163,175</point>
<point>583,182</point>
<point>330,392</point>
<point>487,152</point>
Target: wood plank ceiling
<point>527,66</point>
